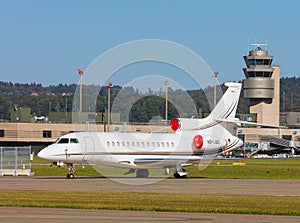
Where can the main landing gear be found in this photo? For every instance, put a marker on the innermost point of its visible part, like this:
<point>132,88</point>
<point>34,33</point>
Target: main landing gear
<point>71,169</point>
<point>140,173</point>
<point>180,172</point>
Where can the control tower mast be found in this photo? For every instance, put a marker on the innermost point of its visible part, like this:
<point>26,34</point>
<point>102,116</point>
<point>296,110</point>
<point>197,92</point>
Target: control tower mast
<point>262,85</point>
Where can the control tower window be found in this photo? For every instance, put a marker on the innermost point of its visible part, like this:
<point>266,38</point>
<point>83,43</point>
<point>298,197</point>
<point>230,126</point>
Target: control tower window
<point>251,74</point>
<point>251,62</point>
<point>259,74</point>
<point>259,62</point>
<point>267,74</point>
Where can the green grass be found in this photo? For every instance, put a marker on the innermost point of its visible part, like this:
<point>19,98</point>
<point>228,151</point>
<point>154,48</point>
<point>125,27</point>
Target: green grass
<point>153,202</point>
<point>254,169</point>
<point>236,204</point>
<point>46,170</point>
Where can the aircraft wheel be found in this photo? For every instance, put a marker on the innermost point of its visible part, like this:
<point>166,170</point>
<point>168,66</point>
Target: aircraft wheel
<point>142,173</point>
<point>176,175</point>
<point>70,176</point>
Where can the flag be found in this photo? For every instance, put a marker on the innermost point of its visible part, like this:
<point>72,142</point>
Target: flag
<point>80,72</point>
<point>110,84</point>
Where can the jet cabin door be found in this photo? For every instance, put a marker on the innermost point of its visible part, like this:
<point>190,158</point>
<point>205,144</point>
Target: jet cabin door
<point>89,148</point>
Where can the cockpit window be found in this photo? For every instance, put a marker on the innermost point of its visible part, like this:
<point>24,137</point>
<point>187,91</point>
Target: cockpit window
<point>74,140</point>
<point>63,141</point>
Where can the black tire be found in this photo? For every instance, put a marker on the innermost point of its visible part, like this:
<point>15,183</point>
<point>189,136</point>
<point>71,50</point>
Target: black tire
<point>142,173</point>
<point>176,175</point>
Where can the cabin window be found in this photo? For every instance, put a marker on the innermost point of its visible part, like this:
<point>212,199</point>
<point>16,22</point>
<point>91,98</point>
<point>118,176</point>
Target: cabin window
<point>128,144</point>
<point>47,134</point>
<point>138,144</point>
<point>132,144</point>
<point>153,144</point>
<point>118,144</point>
<point>113,144</point>
<point>143,144</point>
<point>73,140</point>
<point>148,144</point>
<point>162,144</point>
<point>108,144</point>
<point>123,144</point>
<point>157,144</point>
<point>63,141</point>
<point>168,144</point>
<point>172,144</point>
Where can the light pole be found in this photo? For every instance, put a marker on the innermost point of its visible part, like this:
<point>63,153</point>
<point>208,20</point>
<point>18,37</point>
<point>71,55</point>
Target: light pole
<point>16,112</point>
<point>109,86</point>
<point>166,83</point>
<point>66,108</point>
<point>215,88</point>
<point>80,72</point>
<point>283,101</point>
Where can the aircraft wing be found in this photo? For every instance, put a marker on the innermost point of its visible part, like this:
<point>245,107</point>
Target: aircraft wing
<point>165,161</point>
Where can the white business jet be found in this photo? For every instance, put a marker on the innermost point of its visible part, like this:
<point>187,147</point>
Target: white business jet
<point>191,141</point>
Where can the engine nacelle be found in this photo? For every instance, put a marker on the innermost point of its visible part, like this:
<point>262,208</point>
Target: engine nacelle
<point>184,124</point>
<point>202,144</point>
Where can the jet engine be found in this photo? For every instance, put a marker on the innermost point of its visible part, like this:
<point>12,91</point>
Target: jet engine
<point>207,145</point>
<point>184,124</point>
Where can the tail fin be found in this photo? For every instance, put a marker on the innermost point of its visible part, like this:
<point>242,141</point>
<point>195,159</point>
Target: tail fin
<point>226,107</point>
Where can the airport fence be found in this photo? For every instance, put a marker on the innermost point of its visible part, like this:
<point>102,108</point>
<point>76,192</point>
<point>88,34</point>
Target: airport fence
<point>15,161</point>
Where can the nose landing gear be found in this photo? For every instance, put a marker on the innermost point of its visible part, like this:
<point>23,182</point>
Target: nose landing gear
<point>71,169</point>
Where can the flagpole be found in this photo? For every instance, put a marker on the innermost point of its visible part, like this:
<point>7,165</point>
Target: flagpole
<point>109,86</point>
<point>80,72</point>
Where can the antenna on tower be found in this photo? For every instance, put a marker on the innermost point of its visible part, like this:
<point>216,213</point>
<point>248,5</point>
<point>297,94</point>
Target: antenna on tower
<point>258,45</point>
<point>248,44</point>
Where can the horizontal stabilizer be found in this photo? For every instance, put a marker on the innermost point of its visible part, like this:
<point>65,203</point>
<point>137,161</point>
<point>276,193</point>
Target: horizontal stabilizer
<point>238,122</point>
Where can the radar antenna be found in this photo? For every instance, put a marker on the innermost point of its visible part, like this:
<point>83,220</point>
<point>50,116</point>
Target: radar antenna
<point>258,45</point>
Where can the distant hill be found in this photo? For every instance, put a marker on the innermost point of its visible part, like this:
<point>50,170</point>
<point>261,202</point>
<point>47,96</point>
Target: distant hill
<point>43,100</point>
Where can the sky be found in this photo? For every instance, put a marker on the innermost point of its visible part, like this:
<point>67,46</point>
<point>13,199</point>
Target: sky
<point>46,41</point>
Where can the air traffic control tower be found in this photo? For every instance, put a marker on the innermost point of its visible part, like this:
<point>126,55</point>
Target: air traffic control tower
<point>262,85</point>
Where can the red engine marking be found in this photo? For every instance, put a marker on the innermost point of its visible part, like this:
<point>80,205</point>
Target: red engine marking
<point>198,141</point>
<point>175,124</point>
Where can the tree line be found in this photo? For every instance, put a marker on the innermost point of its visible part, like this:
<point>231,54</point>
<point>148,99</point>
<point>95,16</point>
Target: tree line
<point>133,105</point>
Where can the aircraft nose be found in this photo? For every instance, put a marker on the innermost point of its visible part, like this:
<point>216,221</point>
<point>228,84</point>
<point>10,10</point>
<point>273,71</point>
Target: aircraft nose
<point>44,154</point>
